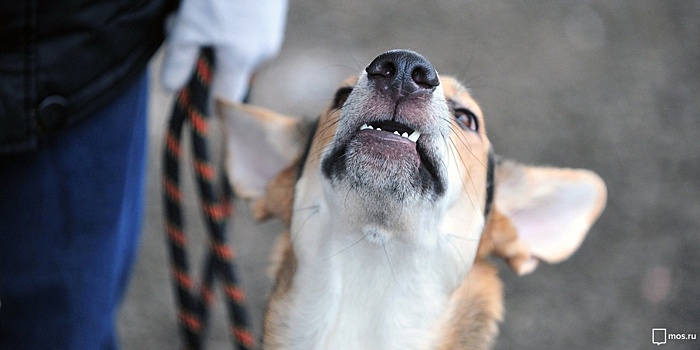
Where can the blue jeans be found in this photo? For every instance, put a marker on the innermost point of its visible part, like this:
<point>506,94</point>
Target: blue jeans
<point>70,218</point>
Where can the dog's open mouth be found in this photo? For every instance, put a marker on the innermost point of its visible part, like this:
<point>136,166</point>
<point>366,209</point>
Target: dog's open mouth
<point>382,143</point>
<point>386,156</point>
<point>394,128</point>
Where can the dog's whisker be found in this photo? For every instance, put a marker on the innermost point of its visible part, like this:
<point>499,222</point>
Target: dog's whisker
<point>465,142</point>
<point>452,150</point>
<point>471,180</point>
<point>459,253</point>
<point>306,219</point>
<point>316,155</point>
<point>452,235</point>
<point>328,125</point>
<point>362,238</point>
<point>311,207</point>
<point>391,267</point>
<point>358,63</point>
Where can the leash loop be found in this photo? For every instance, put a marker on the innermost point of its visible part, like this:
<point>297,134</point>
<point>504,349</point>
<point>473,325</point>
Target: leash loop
<point>195,299</point>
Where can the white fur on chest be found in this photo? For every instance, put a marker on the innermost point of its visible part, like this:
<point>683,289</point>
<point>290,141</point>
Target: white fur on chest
<point>363,297</point>
<point>386,301</point>
<point>352,293</point>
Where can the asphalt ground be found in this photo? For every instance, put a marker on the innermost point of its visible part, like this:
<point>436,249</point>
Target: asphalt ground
<point>612,86</point>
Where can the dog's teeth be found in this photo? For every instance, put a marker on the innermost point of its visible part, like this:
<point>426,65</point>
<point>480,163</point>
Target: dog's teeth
<point>414,136</point>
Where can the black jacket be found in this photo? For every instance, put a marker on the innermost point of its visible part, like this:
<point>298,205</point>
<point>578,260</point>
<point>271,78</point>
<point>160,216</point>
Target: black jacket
<point>61,60</point>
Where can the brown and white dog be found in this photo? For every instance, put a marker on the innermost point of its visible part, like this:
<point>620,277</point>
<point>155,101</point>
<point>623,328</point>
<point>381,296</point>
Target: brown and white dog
<point>394,206</point>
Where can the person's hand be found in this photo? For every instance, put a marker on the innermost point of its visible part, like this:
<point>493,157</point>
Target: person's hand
<point>243,33</point>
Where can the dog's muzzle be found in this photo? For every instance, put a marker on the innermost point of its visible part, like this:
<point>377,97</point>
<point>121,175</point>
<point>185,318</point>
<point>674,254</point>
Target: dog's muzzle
<point>386,141</point>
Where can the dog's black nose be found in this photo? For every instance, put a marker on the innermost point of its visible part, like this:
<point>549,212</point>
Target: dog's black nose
<point>402,73</point>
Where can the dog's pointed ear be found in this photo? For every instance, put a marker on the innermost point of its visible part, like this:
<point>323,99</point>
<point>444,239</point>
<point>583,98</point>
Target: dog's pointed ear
<point>542,213</point>
<point>259,145</point>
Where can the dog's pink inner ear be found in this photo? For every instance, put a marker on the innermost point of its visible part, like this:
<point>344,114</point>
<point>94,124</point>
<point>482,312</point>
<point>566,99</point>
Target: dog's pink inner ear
<point>259,145</point>
<point>551,209</point>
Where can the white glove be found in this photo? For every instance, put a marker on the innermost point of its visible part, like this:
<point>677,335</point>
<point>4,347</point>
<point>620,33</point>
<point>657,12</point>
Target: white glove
<point>243,33</point>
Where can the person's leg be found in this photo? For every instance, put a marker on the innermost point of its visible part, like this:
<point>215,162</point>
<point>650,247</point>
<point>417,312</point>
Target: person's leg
<point>70,217</point>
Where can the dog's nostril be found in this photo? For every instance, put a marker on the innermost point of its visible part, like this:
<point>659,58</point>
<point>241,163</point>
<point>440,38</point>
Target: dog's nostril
<point>402,73</point>
<point>424,77</point>
<point>381,68</point>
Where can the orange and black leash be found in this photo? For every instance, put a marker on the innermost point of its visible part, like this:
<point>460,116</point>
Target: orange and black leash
<point>195,299</point>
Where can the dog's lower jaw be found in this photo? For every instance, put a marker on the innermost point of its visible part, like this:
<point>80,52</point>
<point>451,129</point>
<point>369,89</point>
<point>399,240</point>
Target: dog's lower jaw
<point>398,174</point>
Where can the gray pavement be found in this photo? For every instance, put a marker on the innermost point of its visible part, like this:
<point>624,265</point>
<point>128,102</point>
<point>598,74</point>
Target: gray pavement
<point>612,86</point>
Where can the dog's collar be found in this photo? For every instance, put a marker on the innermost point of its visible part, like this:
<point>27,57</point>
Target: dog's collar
<point>307,149</point>
<point>490,181</point>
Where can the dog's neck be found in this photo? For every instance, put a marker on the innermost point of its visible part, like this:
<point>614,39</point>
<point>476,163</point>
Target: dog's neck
<point>356,290</point>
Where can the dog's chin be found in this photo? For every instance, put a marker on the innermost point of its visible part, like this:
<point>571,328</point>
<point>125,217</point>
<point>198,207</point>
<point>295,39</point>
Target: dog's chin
<point>381,167</point>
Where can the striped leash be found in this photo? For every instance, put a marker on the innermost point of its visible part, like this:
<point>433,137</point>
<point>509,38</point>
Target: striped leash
<point>195,299</point>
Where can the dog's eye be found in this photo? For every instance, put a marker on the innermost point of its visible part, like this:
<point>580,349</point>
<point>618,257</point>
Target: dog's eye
<point>340,96</point>
<point>466,119</point>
